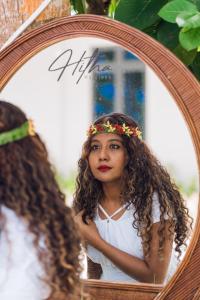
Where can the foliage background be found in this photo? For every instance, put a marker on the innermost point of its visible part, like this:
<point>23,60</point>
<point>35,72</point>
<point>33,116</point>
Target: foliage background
<point>174,23</point>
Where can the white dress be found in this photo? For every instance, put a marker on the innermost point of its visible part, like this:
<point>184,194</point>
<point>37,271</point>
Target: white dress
<point>121,234</point>
<point>20,268</point>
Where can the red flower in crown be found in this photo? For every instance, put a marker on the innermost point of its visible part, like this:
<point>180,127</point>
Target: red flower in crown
<point>99,127</point>
<point>119,128</point>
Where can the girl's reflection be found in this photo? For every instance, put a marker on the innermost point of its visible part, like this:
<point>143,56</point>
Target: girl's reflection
<point>129,211</point>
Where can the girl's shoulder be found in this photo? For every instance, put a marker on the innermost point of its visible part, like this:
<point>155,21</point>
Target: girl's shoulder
<point>16,229</point>
<point>19,256</point>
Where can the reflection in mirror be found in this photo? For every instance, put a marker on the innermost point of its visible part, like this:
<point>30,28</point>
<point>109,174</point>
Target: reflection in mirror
<point>69,84</point>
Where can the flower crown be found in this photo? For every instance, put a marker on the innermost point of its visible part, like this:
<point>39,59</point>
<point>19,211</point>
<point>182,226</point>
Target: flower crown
<point>115,128</point>
<point>18,133</point>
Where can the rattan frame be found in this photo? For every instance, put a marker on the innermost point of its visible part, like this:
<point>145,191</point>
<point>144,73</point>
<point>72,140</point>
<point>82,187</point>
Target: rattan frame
<point>183,87</point>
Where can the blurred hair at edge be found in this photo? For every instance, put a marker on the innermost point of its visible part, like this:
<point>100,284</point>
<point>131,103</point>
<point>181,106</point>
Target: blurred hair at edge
<point>28,187</point>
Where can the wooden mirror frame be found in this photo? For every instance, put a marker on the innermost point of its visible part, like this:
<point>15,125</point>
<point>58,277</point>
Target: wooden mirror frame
<point>185,90</point>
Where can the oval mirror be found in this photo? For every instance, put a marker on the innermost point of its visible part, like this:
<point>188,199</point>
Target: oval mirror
<point>64,80</point>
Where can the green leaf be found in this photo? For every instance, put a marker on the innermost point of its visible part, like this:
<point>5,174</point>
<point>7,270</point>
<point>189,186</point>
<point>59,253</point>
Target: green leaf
<point>172,9</point>
<point>190,39</point>
<point>188,22</point>
<point>187,57</point>
<point>182,18</point>
<point>195,66</point>
<point>140,14</point>
<point>112,8</point>
<point>167,34</point>
<point>78,6</point>
<point>196,2</point>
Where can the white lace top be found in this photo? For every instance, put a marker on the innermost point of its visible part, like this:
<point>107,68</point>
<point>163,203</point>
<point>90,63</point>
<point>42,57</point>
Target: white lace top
<point>20,269</point>
<point>121,234</point>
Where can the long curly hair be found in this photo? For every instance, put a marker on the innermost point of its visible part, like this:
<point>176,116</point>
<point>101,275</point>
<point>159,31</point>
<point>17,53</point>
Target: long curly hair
<point>143,176</point>
<point>28,187</point>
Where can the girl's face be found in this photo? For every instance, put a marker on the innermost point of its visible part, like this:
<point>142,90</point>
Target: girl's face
<point>107,157</point>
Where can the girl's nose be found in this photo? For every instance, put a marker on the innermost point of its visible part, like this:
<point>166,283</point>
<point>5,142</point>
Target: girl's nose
<point>103,155</point>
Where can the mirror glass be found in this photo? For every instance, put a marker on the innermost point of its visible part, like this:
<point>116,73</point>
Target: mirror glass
<point>64,87</point>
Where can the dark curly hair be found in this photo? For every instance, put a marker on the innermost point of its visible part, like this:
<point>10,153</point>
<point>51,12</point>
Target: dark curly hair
<point>143,177</point>
<point>28,187</point>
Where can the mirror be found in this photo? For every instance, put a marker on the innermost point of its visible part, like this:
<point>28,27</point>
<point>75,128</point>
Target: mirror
<point>82,78</point>
<point>87,76</point>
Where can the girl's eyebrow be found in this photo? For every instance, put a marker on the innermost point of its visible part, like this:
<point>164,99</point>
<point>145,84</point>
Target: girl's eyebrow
<point>115,140</point>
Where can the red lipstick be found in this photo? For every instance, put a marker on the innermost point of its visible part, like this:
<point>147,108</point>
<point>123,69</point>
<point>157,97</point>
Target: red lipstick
<point>104,168</point>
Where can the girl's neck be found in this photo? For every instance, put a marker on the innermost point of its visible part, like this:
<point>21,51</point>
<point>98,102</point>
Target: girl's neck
<point>112,194</point>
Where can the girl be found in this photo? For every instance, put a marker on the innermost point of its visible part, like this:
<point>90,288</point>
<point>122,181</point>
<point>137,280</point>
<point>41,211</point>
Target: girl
<point>39,244</point>
<point>128,210</point>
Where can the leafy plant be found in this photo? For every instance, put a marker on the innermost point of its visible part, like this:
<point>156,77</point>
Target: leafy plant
<point>112,8</point>
<point>78,6</point>
<point>186,15</point>
<point>140,14</point>
<point>174,23</point>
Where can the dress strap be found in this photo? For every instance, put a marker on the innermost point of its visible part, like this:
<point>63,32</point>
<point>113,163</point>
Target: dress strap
<point>116,212</point>
<point>103,210</point>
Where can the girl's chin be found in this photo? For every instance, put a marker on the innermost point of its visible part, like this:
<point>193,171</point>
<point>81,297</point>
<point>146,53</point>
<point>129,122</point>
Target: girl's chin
<point>109,180</point>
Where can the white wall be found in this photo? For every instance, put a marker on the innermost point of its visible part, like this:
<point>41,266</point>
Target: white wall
<point>167,132</point>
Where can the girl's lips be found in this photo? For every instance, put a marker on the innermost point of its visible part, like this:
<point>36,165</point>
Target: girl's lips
<point>104,168</point>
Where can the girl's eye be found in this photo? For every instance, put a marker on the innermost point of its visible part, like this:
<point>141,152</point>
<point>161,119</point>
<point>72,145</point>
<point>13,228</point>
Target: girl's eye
<point>94,147</point>
<point>114,146</point>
